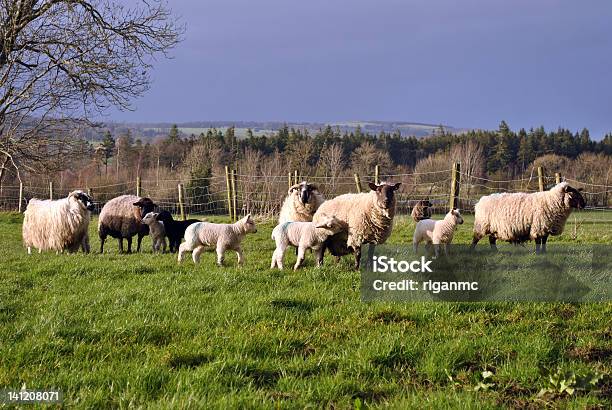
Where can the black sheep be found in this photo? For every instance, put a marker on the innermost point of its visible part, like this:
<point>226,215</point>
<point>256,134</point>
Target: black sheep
<point>175,230</point>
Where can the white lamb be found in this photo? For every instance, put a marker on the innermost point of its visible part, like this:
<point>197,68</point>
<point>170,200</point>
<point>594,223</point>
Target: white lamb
<point>58,225</point>
<point>437,232</point>
<point>157,231</point>
<point>303,235</point>
<point>223,236</point>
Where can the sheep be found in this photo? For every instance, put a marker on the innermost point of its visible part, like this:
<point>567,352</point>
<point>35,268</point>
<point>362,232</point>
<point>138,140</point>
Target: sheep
<point>59,225</point>
<point>222,236</point>
<point>300,204</point>
<point>303,235</point>
<point>368,217</point>
<point>175,230</point>
<point>520,217</point>
<point>157,231</point>
<point>437,232</point>
<point>421,211</point>
<point>121,217</point>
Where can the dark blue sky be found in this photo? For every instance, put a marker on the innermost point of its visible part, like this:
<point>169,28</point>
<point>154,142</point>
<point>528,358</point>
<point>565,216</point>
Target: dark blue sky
<point>468,63</point>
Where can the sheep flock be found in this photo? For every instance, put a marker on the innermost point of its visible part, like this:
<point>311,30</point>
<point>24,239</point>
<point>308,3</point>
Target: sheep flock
<point>340,225</point>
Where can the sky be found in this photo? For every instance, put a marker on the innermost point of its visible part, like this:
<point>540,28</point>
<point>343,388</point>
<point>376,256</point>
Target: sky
<point>468,63</point>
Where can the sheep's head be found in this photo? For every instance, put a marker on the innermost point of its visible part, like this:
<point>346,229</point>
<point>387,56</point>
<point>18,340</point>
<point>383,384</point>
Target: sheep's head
<point>385,194</point>
<point>304,191</point>
<point>249,224</point>
<point>456,216</point>
<point>82,199</point>
<point>572,197</point>
<point>143,207</point>
<point>150,217</point>
<point>331,223</point>
<point>164,216</point>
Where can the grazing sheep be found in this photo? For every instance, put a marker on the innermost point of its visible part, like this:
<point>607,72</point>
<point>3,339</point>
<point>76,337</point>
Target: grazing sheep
<point>59,225</point>
<point>175,230</point>
<point>437,232</point>
<point>421,211</point>
<point>157,231</point>
<point>301,203</point>
<point>304,235</point>
<point>121,218</point>
<point>520,217</point>
<point>222,236</point>
<point>368,217</point>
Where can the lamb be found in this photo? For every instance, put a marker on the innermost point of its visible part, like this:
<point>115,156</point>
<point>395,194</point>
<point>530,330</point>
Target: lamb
<point>437,232</point>
<point>520,217</point>
<point>300,204</point>
<point>222,236</point>
<point>368,217</point>
<point>59,225</point>
<point>157,231</point>
<point>421,211</point>
<point>121,217</point>
<point>175,230</point>
<point>303,235</point>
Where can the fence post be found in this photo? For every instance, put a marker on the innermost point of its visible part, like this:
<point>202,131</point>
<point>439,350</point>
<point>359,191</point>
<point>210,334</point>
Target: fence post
<point>90,192</point>
<point>557,177</point>
<point>51,190</point>
<point>290,181</point>
<point>20,196</point>
<point>138,186</point>
<point>455,181</point>
<point>229,191</point>
<point>295,177</point>
<point>234,195</point>
<point>357,182</point>
<point>377,174</point>
<point>541,179</point>
<point>180,199</point>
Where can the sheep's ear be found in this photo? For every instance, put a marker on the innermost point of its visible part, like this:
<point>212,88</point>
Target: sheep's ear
<point>373,186</point>
<point>396,186</point>
<point>139,203</point>
<point>580,189</point>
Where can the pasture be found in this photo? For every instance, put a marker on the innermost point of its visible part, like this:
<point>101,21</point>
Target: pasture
<point>139,330</point>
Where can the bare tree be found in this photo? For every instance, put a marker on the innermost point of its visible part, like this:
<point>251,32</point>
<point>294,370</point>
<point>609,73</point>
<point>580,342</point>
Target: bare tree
<point>63,60</point>
<point>332,163</point>
<point>471,156</point>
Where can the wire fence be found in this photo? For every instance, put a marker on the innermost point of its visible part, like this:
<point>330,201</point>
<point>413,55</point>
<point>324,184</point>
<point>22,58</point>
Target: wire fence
<point>263,195</point>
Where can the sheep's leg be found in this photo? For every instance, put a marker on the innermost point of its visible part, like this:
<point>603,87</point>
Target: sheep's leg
<point>415,246</point>
<point>357,250</point>
<point>544,239</point>
<point>196,253</point>
<point>281,248</point>
<point>238,251</point>
<point>140,236</point>
<point>538,241</point>
<point>492,242</point>
<point>102,240</point>
<point>29,250</point>
<point>182,251</point>
<point>273,262</point>
<point>319,254</point>
<point>475,240</point>
<point>163,245</point>
<point>39,250</point>
<point>300,257</point>
<point>129,244</point>
<point>437,249</point>
<point>220,252</point>
<point>120,240</point>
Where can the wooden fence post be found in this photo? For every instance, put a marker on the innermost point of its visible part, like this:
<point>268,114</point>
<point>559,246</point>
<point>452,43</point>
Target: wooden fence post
<point>358,182</point>
<point>90,192</point>
<point>290,181</point>
<point>138,186</point>
<point>234,195</point>
<point>377,174</point>
<point>51,190</point>
<point>181,199</point>
<point>557,177</point>
<point>540,179</point>
<point>455,182</point>
<point>229,191</point>
<point>295,177</point>
<point>20,196</point>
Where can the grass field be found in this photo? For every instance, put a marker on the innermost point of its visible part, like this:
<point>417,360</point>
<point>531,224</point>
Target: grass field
<point>141,331</point>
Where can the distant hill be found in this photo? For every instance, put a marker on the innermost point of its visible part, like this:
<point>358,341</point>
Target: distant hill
<point>152,130</point>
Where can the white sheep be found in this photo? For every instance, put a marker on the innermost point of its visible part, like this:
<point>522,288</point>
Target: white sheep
<point>368,217</point>
<point>520,217</point>
<point>58,225</point>
<point>437,232</point>
<point>223,236</point>
<point>301,203</point>
<point>303,235</point>
<point>157,231</point>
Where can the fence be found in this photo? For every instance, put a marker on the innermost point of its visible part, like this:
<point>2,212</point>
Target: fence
<point>236,194</point>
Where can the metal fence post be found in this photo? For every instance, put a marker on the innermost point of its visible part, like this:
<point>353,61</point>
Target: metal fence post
<point>454,189</point>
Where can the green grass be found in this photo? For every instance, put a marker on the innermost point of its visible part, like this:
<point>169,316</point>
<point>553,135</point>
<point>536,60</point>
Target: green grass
<point>141,331</point>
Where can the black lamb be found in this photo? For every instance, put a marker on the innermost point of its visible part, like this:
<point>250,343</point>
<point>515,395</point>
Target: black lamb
<point>175,230</point>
